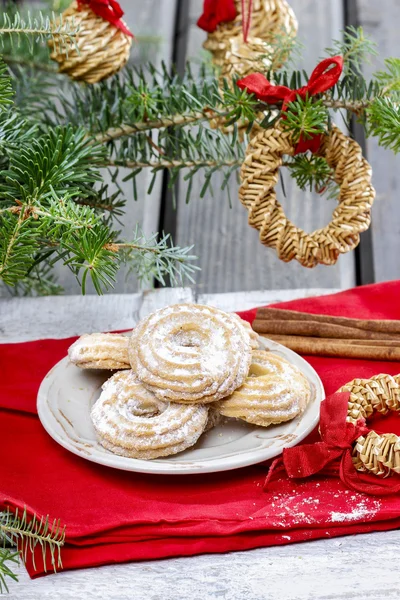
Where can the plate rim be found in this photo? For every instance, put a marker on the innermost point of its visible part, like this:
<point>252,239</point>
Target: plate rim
<point>155,467</point>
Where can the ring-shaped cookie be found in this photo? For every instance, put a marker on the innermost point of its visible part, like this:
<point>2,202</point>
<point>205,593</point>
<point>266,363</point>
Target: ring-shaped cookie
<point>130,421</point>
<point>100,351</point>
<point>191,353</point>
<point>259,176</point>
<point>275,391</point>
<point>378,454</point>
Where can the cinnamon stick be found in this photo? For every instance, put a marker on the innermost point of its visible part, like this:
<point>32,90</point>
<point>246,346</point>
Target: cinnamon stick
<point>365,349</point>
<point>379,325</point>
<point>319,329</point>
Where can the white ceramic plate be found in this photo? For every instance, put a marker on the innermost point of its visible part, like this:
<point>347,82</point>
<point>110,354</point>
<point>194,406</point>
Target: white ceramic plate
<point>67,394</point>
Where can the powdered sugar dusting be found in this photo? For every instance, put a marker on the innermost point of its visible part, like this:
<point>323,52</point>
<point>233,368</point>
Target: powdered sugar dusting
<point>191,353</point>
<point>361,512</point>
<point>131,421</point>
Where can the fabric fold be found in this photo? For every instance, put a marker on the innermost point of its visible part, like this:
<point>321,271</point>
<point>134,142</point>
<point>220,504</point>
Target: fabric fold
<point>117,516</point>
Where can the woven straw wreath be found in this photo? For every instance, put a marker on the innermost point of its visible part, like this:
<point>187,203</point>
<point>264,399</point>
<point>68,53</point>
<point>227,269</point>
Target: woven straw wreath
<point>259,176</point>
<point>234,56</point>
<point>378,454</point>
<point>99,50</point>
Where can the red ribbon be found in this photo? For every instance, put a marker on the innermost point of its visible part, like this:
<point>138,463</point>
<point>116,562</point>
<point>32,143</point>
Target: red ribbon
<point>109,10</point>
<point>337,437</point>
<point>216,12</point>
<point>246,18</point>
<point>324,76</point>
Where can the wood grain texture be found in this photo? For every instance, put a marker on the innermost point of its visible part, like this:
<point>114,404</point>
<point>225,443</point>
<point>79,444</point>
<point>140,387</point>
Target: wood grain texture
<point>60,317</point>
<point>230,254</point>
<point>337,569</point>
<point>380,21</point>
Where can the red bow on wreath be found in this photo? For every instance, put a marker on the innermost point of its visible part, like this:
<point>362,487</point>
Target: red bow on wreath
<point>109,10</point>
<point>324,76</point>
<point>223,11</point>
<point>337,437</point>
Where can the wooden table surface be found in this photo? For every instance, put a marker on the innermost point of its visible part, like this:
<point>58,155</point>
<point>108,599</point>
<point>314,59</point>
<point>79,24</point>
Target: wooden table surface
<point>352,567</point>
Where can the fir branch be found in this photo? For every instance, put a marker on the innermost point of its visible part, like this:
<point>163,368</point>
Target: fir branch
<point>6,91</point>
<point>123,130</point>
<point>39,280</point>
<point>8,559</point>
<point>158,258</point>
<point>39,27</point>
<point>62,161</point>
<point>312,172</point>
<point>305,118</point>
<point>18,242</point>
<point>174,164</point>
<point>27,534</point>
<point>384,122</point>
<point>355,47</point>
<point>390,79</point>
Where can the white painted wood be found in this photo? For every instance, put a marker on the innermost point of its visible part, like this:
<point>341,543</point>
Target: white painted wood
<point>245,300</point>
<point>57,317</point>
<point>348,568</point>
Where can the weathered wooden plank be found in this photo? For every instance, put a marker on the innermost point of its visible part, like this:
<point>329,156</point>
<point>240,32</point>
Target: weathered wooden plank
<point>380,21</point>
<point>321,570</point>
<point>73,315</point>
<point>231,256</point>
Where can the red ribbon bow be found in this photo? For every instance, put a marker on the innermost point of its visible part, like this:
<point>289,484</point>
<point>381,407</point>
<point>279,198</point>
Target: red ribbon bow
<point>324,76</point>
<point>223,11</point>
<point>109,10</point>
<point>216,12</point>
<point>337,437</point>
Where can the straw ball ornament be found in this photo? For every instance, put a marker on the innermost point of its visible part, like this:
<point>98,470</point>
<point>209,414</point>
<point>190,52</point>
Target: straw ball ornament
<point>238,53</point>
<point>101,46</point>
<point>374,453</point>
<point>259,176</point>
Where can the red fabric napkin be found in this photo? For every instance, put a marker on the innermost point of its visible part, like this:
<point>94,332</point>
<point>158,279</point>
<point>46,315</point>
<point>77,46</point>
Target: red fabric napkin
<point>116,516</point>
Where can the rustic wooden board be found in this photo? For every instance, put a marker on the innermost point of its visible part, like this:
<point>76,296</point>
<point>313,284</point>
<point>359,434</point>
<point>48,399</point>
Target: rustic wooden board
<point>322,570</point>
<point>230,254</point>
<point>380,21</point>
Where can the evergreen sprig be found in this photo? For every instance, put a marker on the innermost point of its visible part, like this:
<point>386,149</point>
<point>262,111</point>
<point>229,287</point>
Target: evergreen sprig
<point>305,118</point>
<point>311,172</point>
<point>8,559</point>
<point>355,47</point>
<point>389,80</point>
<point>27,534</point>
<point>384,122</point>
<point>34,28</point>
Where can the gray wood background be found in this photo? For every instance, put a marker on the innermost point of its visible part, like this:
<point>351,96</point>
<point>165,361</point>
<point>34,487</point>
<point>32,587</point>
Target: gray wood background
<point>230,255</point>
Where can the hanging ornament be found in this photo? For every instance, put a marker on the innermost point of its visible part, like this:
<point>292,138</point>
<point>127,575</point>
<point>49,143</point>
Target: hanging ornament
<point>102,44</point>
<point>240,33</point>
<point>260,172</point>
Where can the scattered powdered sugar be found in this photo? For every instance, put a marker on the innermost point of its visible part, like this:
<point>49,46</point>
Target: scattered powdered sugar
<point>329,505</point>
<point>361,511</point>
